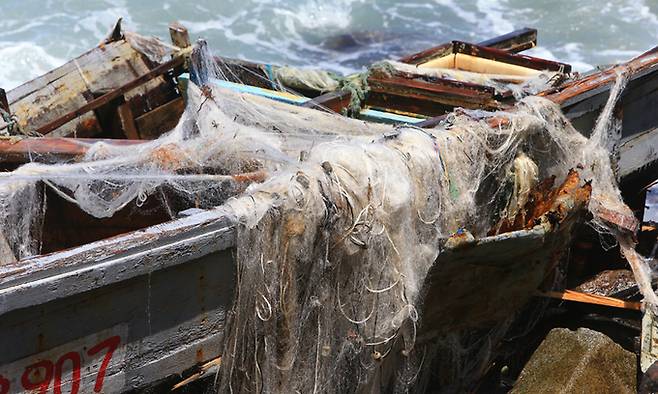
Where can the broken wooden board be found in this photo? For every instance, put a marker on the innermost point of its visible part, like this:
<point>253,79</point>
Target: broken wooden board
<point>513,42</point>
<point>80,81</point>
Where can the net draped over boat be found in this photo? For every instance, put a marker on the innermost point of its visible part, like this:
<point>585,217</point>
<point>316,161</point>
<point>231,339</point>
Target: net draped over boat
<point>334,245</point>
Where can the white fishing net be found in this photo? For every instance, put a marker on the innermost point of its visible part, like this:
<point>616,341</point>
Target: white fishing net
<point>306,79</point>
<point>335,243</point>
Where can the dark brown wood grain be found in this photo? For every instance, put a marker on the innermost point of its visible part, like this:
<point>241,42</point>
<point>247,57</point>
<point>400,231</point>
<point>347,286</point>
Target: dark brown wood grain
<point>513,42</point>
<point>426,95</point>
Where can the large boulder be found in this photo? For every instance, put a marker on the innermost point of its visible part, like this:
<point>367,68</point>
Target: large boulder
<point>582,361</point>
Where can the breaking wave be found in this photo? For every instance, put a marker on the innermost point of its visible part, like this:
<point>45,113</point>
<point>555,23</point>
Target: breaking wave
<point>342,35</point>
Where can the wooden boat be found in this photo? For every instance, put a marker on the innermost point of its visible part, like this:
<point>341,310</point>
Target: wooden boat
<point>96,310</point>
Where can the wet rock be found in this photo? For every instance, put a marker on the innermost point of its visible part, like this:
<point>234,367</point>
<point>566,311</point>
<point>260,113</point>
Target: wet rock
<point>354,40</point>
<point>582,361</point>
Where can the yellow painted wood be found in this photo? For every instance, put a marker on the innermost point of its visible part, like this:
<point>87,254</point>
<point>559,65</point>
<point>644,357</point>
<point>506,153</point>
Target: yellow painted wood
<point>470,63</point>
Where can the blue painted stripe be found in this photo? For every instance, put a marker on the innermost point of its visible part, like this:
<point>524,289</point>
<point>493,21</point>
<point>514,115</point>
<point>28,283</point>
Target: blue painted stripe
<point>271,94</point>
<point>388,117</point>
<point>367,114</point>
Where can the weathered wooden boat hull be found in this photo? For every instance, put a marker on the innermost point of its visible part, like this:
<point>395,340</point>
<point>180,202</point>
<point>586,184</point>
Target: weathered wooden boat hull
<point>583,100</point>
<point>159,296</point>
<point>163,293</point>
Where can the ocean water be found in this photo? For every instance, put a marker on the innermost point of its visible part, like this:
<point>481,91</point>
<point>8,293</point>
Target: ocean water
<point>340,35</point>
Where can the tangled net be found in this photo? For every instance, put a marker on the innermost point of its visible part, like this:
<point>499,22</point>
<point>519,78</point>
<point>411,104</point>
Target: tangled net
<point>334,246</point>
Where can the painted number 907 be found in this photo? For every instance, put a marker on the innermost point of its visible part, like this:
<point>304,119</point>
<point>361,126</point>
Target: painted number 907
<point>38,376</point>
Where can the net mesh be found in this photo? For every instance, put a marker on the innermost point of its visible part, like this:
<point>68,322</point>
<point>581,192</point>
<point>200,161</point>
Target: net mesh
<point>334,245</point>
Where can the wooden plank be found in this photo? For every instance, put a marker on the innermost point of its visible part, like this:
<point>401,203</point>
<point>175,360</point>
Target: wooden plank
<point>83,62</point>
<point>206,369</point>
<point>431,53</point>
<point>50,149</point>
<point>445,92</point>
<point>595,299</point>
<point>106,98</point>
<point>411,103</point>
<point>242,71</point>
<point>593,84</point>
<point>84,78</point>
<point>162,119</point>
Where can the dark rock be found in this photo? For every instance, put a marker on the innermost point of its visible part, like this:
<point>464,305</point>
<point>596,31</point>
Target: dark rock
<point>582,361</point>
<point>649,381</point>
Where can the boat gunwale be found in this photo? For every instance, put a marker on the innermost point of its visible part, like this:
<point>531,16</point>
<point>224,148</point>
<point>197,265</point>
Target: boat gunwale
<point>43,278</point>
<point>59,274</point>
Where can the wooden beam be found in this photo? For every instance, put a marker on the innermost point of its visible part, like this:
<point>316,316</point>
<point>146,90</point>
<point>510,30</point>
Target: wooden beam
<point>106,98</point>
<point>423,56</point>
<point>51,149</point>
<point>570,295</point>
<point>596,83</point>
<point>428,94</point>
